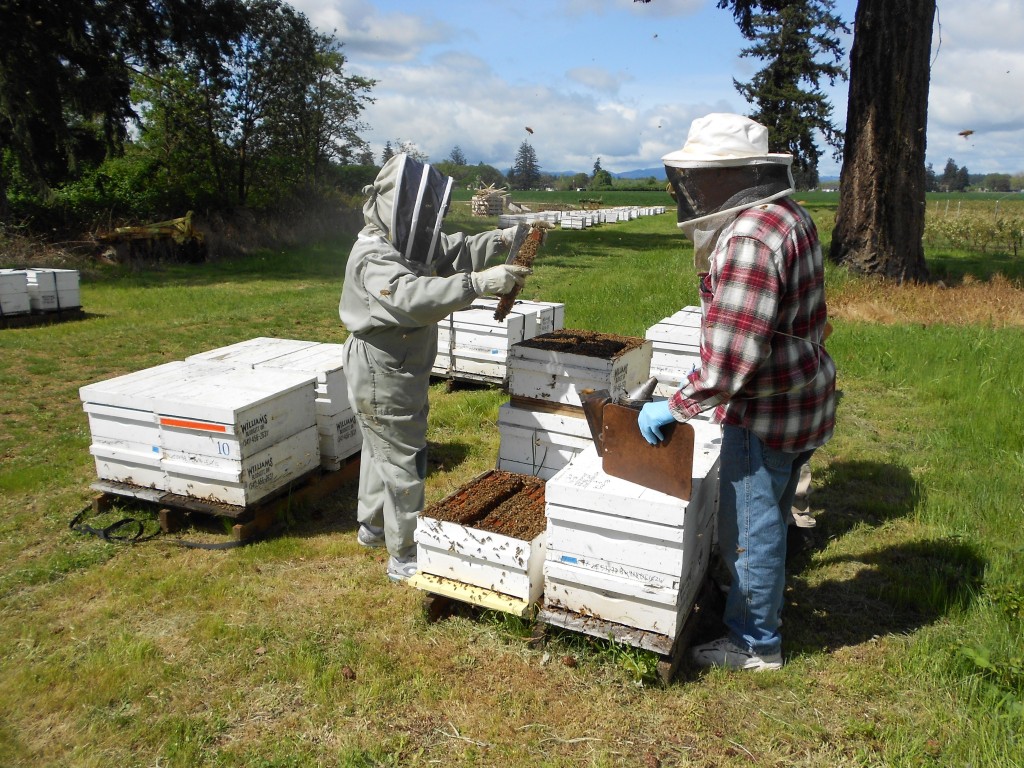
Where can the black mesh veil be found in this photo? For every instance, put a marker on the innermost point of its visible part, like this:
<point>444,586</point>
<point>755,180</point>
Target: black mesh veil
<point>701,192</point>
<point>422,196</point>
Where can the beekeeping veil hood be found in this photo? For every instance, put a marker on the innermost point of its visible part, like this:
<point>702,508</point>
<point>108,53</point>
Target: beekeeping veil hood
<point>725,167</point>
<point>408,201</point>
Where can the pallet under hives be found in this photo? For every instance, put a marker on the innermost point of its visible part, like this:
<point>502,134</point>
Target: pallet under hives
<point>176,512</point>
<point>669,648</point>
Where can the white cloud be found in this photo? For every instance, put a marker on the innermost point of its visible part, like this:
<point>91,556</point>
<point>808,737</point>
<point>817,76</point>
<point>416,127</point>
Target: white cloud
<point>598,79</point>
<point>394,37</point>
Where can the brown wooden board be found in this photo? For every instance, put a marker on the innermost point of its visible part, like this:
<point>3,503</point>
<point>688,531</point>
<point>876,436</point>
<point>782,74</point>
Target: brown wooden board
<point>665,467</point>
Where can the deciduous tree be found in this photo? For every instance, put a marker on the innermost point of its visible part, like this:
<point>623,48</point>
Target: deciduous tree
<point>66,69</point>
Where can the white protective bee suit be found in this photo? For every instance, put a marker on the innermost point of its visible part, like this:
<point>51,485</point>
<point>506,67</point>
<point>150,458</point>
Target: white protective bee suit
<point>403,276</point>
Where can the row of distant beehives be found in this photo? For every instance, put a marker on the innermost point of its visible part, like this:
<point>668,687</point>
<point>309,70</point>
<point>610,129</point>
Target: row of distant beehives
<point>581,219</point>
<point>613,553</point>
<point>26,291</point>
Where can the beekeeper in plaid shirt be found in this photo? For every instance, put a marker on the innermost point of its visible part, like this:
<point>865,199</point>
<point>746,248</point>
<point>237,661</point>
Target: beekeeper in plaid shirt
<point>763,366</point>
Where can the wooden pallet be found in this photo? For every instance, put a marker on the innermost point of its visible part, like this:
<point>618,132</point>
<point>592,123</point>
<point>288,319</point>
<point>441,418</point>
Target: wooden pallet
<point>671,649</point>
<point>175,511</point>
<point>29,320</point>
<point>443,594</point>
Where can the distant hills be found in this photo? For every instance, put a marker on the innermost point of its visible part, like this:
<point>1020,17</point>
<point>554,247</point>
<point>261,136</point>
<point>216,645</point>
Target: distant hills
<point>643,173</point>
<point>657,172</point>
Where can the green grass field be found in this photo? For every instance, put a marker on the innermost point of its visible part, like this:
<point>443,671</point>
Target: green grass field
<point>903,624</point>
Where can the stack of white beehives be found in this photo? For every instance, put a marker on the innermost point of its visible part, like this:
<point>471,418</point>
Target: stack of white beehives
<point>204,430</point>
<point>338,432</point>
<point>543,426</point>
<point>484,543</point>
<point>14,298</point>
<point>39,290</point>
<point>676,352</point>
<point>52,290</point>
<point>622,553</point>
<point>473,346</point>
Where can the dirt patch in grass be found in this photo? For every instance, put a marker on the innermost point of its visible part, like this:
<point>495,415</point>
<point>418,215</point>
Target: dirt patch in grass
<point>997,303</point>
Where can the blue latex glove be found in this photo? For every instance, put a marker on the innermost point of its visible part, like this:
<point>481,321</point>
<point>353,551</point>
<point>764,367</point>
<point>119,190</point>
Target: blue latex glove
<point>654,416</point>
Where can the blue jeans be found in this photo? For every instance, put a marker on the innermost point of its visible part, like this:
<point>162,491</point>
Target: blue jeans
<point>757,485</point>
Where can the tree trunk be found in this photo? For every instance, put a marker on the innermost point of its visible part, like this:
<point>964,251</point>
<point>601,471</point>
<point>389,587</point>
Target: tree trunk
<point>880,219</point>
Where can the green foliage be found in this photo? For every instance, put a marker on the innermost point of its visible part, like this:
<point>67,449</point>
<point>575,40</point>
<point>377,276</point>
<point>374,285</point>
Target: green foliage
<point>254,114</point>
<point>1003,677</point>
<point>525,171</point>
<point>981,227</point>
<point>786,93</point>
<point>66,71</point>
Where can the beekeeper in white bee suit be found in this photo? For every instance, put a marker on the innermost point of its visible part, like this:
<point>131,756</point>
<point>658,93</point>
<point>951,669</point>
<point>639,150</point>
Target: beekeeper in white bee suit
<point>403,276</point>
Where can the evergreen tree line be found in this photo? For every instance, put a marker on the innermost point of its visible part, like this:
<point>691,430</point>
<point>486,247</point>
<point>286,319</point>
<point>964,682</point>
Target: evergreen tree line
<point>151,108</point>
<point>958,179</point>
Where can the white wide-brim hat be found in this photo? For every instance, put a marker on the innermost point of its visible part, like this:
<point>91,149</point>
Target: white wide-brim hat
<point>722,139</point>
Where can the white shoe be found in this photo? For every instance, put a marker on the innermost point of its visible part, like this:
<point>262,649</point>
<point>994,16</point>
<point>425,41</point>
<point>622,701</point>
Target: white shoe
<point>723,652</point>
<point>370,536</point>
<point>801,520</point>
<point>400,570</point>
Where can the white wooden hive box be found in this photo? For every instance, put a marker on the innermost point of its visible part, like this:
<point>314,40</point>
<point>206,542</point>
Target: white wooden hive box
<point>483,558</point>
<point>561,375</point>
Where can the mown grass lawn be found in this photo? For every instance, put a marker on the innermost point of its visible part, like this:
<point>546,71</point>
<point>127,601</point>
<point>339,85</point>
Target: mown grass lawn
<point>904,613</point>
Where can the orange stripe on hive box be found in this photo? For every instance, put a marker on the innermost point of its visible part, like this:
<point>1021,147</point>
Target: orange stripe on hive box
<point>186,424</point>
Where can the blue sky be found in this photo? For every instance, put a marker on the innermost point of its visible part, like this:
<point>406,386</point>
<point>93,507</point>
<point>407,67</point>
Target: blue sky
<point>621,81</point>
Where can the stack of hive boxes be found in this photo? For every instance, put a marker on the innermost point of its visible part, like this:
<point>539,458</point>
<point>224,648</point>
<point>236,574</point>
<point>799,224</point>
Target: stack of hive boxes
<point>38,290</point>
<point>202,430</point>
<point>676,352</point>
<point>51,290</point>
<point>623,553</point>
<point>543,426</point>
<point>14,299</point>
<point>339,436</point>
<point>473,346</point>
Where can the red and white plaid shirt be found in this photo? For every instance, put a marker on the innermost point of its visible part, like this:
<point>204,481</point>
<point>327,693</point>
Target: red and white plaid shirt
<point>763,363</point>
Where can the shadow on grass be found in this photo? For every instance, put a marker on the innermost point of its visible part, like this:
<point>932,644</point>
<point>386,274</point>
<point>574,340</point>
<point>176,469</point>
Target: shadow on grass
<point>894,588</point>
<point>891,590</point>
<point>336,513</point>
<point>952,268</point>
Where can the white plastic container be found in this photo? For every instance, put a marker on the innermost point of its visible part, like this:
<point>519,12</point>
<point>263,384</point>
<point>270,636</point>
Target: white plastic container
<point>324,362</point>
<point>232,435</point>
<point>245,482</point>
<point>489,560</point>
<point>676,349</point>
<point>482,558</point>
<point>624,553</point>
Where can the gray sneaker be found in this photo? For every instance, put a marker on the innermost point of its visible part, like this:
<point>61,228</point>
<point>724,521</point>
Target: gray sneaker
<point>400,570</point>
<point>801,520</point>
<point>370,536</point>
<point>723,652</point>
